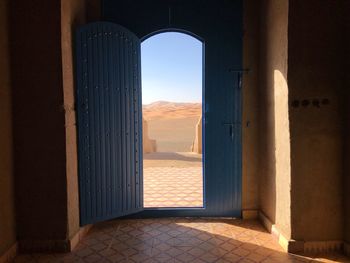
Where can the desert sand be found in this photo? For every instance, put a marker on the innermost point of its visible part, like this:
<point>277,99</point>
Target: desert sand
<point>172,159</point>
<point>172,124</point>
<point>173,174</point>
<point>171,110</point>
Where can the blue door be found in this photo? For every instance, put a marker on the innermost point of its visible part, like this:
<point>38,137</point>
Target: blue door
<point>219,25</point>
<point>108,105</point>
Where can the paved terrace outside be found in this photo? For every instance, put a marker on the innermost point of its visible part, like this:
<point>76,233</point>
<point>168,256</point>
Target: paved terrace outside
<point>173,180</point>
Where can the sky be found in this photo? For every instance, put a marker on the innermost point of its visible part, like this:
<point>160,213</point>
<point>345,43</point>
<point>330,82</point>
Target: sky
<point>171,65</point>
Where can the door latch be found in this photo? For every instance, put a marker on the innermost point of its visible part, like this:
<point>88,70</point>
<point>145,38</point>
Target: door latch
<point>231,126</point>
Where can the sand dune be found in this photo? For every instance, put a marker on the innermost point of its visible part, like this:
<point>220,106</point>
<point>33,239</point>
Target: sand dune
<point>172,124</point>
<point>171,110</point>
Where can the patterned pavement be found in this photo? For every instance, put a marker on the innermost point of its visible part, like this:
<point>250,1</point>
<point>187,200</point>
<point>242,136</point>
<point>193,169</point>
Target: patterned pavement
<point>178,240</point>
<point>173,187</point>
<point>171,183</point>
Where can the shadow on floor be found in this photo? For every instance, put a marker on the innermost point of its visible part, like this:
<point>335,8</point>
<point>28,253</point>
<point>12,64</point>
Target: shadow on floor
<point>188,157</point>
<point>178,240</point>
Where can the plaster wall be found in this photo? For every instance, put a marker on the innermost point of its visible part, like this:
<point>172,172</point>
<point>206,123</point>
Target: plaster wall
<point>197,143</point>
<point>7,211</point>
<point>346,189</point>
<point>38,120</point>
<point>93,10</point>
<point>149,145</point>
<point>274,134</point>
<point>250,124</point>
<point>347,166</point>
<point>73,13</point>
<point>315,75</point>
<point>44,119</point>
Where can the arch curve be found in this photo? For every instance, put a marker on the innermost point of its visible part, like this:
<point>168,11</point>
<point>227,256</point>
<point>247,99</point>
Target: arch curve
<point>172,30</point>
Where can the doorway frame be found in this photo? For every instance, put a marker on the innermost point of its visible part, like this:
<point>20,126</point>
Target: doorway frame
<point>223,35</point>
<point>179,211</point>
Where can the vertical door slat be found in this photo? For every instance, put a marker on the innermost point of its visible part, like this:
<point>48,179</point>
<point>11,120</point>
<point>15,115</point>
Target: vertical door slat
<point>108,99</point>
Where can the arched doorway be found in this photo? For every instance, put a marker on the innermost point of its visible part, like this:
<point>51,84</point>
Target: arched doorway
<point>109,115</point>
<point>172,95</point>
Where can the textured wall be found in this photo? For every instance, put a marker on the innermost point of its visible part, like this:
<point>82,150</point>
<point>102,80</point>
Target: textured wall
<point>274,133</point>
<point>93,10</point>
<point>7,215</point>
<point>39,120</point>
<point>250,124</point>
<point>315,73</point>
<point>197,142</point>
<point>72,15</point>
<point>347,174</point>
<point>44,116</point>
<point>149,145</point>
<point>347,163</point>
<point>346,192</point>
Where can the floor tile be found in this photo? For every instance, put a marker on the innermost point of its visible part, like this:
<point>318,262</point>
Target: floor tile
<point>179,240</point>
<point>173,187</point>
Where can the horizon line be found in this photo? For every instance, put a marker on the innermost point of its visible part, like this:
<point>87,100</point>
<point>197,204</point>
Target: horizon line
<point>167,101</point>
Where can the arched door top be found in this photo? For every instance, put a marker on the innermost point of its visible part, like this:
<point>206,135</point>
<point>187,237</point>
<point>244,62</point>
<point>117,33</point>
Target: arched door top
<point>172,30</point>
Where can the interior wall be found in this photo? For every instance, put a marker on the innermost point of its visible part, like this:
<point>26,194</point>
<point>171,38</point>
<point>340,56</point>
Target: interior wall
<point>250,127</point>
<point>93,10</point>
<point>316,118</point>
<point>38,120</point>
<point>346,188</point>
<point>347,171</point>
<point>346,195</point>
<point>274,154</point>
<point>7,211</point>
<point>44,118</point>
<point>73,14</point>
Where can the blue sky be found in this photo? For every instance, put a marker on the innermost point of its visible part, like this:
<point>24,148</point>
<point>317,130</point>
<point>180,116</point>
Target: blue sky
<point>171,68</point>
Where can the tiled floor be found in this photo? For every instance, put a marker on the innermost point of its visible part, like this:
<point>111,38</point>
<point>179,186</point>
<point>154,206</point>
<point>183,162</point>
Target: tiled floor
<point>173,187</point>
<point>173,179</point>
<point>178,240</point>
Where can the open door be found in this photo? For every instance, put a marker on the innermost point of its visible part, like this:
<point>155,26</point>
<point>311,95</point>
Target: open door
<point>108,105</point>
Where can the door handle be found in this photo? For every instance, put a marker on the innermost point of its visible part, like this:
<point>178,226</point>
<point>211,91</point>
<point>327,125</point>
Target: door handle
<point>230,125</point>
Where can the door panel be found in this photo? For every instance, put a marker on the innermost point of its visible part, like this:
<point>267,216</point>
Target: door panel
<point>108,105</point>
<point>219,24</point>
